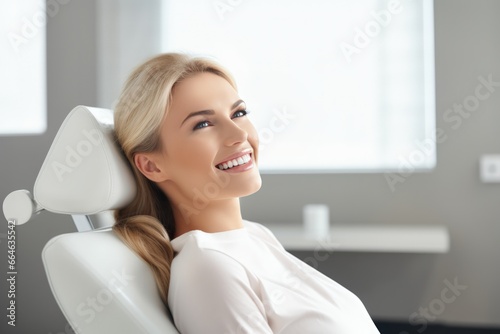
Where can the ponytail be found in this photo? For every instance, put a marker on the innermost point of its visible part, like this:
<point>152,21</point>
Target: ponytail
<point>147,237</point>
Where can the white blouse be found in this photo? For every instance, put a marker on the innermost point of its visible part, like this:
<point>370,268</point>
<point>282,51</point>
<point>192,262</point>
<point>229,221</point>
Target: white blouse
<point>244,281</point>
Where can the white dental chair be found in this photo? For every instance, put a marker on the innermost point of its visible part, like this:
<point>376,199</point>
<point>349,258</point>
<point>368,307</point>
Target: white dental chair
<point>100,284</point>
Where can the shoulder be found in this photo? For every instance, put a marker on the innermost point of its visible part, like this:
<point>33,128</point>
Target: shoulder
<point>262,232</point>
<point>200,276</point>
<point>214,258</point>
<point>257,229</point>
<point>223,256</point>
<point>214,288</point>
<point>196,260</point>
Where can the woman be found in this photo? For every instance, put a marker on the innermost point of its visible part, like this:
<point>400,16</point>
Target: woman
<point>194,153</point>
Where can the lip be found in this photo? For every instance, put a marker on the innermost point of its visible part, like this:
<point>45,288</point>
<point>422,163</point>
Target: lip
<point>236,156</point>
<point>240,168</point>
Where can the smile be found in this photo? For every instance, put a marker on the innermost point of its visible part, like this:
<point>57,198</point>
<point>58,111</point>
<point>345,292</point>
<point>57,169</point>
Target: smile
<point>243,160</point>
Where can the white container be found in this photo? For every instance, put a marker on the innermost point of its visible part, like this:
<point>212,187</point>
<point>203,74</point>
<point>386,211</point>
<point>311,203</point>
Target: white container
<point>316,220</point>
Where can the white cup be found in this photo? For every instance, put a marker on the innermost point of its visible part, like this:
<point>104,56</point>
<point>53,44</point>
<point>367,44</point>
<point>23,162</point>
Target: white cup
<point>316,220</point>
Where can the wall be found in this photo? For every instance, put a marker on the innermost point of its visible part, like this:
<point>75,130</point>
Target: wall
<point>71,80</point>
<point>393,286</point>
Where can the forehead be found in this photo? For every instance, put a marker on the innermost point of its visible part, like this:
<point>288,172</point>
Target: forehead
<point>202,90</point>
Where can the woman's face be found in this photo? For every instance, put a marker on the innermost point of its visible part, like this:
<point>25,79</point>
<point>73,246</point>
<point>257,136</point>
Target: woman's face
<point>209,146</point>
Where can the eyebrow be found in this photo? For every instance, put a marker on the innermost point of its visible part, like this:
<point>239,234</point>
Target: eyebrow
<point>209,111</point>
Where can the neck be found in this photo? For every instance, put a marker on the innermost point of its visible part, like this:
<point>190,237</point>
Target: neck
<point>214,216</point>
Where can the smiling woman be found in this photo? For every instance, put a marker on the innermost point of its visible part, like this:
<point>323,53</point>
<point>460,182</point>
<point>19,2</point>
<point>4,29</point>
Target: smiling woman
<point>193,144</point>
<point>183,128</point>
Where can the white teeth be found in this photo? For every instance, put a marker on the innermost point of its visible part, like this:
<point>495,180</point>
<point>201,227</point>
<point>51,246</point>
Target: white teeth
<point>235,162</point>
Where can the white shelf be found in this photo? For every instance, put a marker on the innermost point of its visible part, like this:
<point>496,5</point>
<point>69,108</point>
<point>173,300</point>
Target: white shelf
<point>367,238</point>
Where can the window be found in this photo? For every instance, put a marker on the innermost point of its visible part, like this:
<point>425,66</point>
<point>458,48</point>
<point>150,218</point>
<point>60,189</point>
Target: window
<point>331,85</point>
<point>23,81</point>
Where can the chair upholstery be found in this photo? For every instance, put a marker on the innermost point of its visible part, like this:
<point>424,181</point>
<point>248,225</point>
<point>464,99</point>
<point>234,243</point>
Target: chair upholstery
<point>100,284</point>
<point>84,171</point>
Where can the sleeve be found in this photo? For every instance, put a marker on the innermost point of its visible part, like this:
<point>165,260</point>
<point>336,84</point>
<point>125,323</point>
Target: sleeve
<point>213,294</point>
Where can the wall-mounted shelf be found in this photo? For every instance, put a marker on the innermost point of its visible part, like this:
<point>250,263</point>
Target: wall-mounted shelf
<point>366,238</point>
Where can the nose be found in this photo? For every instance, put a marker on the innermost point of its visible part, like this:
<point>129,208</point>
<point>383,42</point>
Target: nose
<point>234,134</point>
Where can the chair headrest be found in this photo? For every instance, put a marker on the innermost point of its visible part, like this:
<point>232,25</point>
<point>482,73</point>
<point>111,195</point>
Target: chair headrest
<point>84,171</point>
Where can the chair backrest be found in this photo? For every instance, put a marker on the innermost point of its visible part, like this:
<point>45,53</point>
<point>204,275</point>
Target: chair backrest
<point>100,284</point>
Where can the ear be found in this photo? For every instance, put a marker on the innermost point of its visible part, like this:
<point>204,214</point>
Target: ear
<point>148,165</point>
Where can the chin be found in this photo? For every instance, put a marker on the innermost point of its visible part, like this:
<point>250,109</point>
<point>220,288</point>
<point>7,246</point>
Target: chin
<point>255,185</point>
<point>249,185</point>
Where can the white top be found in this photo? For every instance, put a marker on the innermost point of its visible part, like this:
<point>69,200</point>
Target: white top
<point>244,281</point>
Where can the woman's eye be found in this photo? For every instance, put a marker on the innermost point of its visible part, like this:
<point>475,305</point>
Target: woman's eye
<point>201,125</point>
<point>240,113</point>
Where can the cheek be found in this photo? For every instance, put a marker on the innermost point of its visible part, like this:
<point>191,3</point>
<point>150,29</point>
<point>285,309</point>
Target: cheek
<point>191,156</point>
<point>253,139</point>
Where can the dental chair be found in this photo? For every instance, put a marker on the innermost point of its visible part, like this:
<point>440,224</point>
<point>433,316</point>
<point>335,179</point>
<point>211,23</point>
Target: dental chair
<point>100,285</point>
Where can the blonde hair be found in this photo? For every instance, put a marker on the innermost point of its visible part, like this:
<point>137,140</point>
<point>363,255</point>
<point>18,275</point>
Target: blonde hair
<point>147,223</point>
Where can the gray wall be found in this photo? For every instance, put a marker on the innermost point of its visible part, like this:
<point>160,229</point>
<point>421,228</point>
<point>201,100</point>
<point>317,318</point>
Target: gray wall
<point>393,286</point>
<point>71,80</point>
